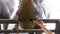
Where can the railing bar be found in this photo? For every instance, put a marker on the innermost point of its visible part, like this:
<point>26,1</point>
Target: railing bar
<point>16,21</point>
<point>26,30</point>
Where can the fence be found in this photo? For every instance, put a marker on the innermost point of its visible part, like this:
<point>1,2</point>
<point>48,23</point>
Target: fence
<point>38,31</point>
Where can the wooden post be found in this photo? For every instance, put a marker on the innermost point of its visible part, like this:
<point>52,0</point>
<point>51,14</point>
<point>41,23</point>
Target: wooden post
<point>57,30</point>
<point>0,26</point>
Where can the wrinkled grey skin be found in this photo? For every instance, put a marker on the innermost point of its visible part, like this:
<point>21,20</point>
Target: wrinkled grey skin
<point>6,10</point>
<point>3,10</point>
<point>10,4</point>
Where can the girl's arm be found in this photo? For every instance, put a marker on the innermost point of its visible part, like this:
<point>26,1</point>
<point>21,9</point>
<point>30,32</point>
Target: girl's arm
<point>40,23</point>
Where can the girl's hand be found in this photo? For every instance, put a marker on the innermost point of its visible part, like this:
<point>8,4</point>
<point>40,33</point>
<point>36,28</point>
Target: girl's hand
<point>40,23</point>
